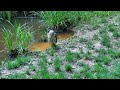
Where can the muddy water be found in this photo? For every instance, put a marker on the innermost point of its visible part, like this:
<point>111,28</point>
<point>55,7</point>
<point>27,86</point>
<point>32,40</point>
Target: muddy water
<point>43,46</point>
<point>37,29</point>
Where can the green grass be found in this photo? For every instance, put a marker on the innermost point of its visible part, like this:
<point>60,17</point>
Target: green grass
<point>58,75</point>
<point>17,63</point>
<point>57,63</point>
<point>69,57</point>
<point>68,67</point>
<point>116,70</point>
<point>51,51</point>
<point>8,39</point>
<point>88,56</point>
<point>58,18</point>
<point>116,34</point>
<point>76,75</point>
<point>44,74</point>
<point>22,37</point>
<point>17,76</point>
<point>103,20</point>
<point>106,59</point>
<point>111,27</point>
<point>8,15</point>
<point>72,56</point>
<point>105,40</point>
<point>83,40</point>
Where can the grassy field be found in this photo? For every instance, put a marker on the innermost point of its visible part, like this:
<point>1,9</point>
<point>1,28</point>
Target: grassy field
<point>92,53</point>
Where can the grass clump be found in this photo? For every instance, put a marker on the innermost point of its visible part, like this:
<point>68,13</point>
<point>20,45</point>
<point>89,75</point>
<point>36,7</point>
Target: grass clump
<point>51,51</point>
<point>57,63</point>
<point>17,63</point>
<point>58,75</point>
<point>111,27</point>
<point>8,39</point>
<point>68,68</point>
<point>17,76</point>
<point>22,37</point>
<point>116,34</point>
<point>76,75</point>
<point>71,56</point>
<point>105,40</point>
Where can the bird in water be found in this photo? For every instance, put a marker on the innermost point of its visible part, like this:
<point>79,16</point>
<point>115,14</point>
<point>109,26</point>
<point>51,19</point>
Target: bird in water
<point>52,38</point>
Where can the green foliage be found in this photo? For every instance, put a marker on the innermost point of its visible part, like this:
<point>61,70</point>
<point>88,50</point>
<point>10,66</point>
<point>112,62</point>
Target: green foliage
<point>23,37</point>
<point>17,63</point>
<point>51,51</point>
<point>8,39</point>
<point>85,68</point>
<point>57,63</point>
<point>105,40</point>
<point>76,75</point>
<point>8,15</point>
<point>111,27</point>
<point>106,59</point>
<point>88,56</point>
<point>116,70</point>
<point>103,20</point>
<point>17,76</point>
<point>116,34</point>
<point>83,40</point>
<point>71,56</point>
<point>89,75</point>
<point>68,67</point>
<point>58,75</point>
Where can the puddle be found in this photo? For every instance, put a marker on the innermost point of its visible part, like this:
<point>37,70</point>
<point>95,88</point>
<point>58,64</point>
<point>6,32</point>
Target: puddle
<point>39,46</point>
<point>43,46</point>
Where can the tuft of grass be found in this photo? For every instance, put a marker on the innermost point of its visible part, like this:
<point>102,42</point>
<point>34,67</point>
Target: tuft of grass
<point>35,77</point>
<point>68,67</point>
<point>57,63</point>
<point>85,68</point>
<point>58,75</point>
<point>8,39</point>
<point>7,15</point>
<point>12,65</point>
<point>89,75</point>
<point>105,40</point>
<point>88,56</point>
<point>44,74</point>
<point>89,45</point>
<point>116,34</point>
<point>116,70</point>
<point>83,40</point>
<point>17,63</point>
<point>17,76</point>
<point>23,38</point>
<point>106,59</point>
<point>111,27</point>
<point>76,75</point>
<point>51,51</point>
<point>71,56</point>
<point>103,20</point>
